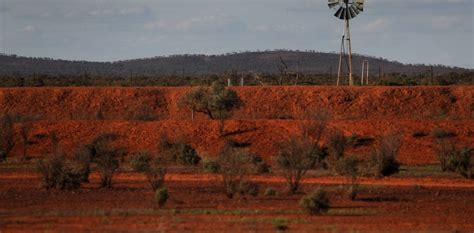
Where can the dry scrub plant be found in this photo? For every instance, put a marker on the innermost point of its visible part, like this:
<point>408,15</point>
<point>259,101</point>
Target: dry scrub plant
<point>383,159</point>
<point>235,164</point>
<point>454,159</point>
<point>106,157</point>
<point>153,166</point>
<point>296,156</point>
<point>317,202</point>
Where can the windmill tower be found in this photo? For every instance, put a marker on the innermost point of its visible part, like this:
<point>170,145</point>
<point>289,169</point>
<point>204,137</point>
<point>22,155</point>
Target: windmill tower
<point>346,10</point>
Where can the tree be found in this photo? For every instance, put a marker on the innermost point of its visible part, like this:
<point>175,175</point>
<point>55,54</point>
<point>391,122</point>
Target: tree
<point>297,155</point>
<point>106,157</point>
<point>217,102</point>
<point>234,166</point>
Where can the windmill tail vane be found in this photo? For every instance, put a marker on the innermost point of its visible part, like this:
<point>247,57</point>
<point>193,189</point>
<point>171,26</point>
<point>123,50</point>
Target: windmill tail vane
<point>346,10</point>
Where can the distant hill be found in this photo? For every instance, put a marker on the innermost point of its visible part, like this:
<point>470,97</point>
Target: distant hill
<point>308,62</point>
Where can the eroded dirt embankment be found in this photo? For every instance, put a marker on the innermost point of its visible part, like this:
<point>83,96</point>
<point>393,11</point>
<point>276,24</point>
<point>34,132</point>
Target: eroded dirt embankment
<point>78,115</point>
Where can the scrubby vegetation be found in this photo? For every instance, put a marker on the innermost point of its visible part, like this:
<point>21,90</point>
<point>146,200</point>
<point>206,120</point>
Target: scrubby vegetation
<point>317,202</point>
<point>235,164</point>
<point>350,168</point>
<point>154,166</point>
<point>453,159</point>
<point>6,135</point>
<point>383,159</point>
<point>106,156</point>
<point>217,101</point>
<point>297,155</point>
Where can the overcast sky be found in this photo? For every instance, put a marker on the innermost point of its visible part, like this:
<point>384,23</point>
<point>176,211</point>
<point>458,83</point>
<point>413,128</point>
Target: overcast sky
<point>410,31</point>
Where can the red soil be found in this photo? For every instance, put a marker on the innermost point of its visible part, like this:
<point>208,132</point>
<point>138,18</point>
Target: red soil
<point>367,111</point>
<point>198,204</point>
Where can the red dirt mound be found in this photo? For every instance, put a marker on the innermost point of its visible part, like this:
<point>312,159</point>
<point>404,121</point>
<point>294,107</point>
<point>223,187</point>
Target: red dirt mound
<point>77,115</point>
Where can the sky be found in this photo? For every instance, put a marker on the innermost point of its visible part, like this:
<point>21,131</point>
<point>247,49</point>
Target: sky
<point>409,31</point>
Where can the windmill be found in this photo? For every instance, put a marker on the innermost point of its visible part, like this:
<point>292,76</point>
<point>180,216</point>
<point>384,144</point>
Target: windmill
<point>346,10</point>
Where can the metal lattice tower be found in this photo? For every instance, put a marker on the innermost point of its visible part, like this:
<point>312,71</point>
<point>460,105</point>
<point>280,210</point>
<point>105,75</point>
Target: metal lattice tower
<point>346,10</point>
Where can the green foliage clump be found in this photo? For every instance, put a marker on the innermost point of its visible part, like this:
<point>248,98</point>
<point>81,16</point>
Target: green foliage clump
<point>317,202</point>
<point>183,153</point>
<point>217,101</point>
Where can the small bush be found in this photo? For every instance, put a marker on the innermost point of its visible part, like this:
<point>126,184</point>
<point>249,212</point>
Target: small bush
<point>270,192</point>
<point>383,161</point>
<point>161,196</point>
<point>184,154</point>
<point>455,160</point>
<point>296,156</point>
<point>154,167</point>
<point>280,224</point>
<point>210,165</point>
<point>442,133</point>
<point>235,165</point>
<point>57,174</point>
<point>316,202</point>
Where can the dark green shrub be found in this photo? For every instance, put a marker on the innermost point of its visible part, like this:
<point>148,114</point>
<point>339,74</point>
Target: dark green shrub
<point>297,155</point>
<point>210,165</point>
<point>455,160</point>
<point>383,161</point>
<point>270,192</point>
<point>316,202</point>
<point>184,154</point>
<point>442,133</point>
<point>217,102</point>
<point>187,155</point>
<point>161,196</point>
